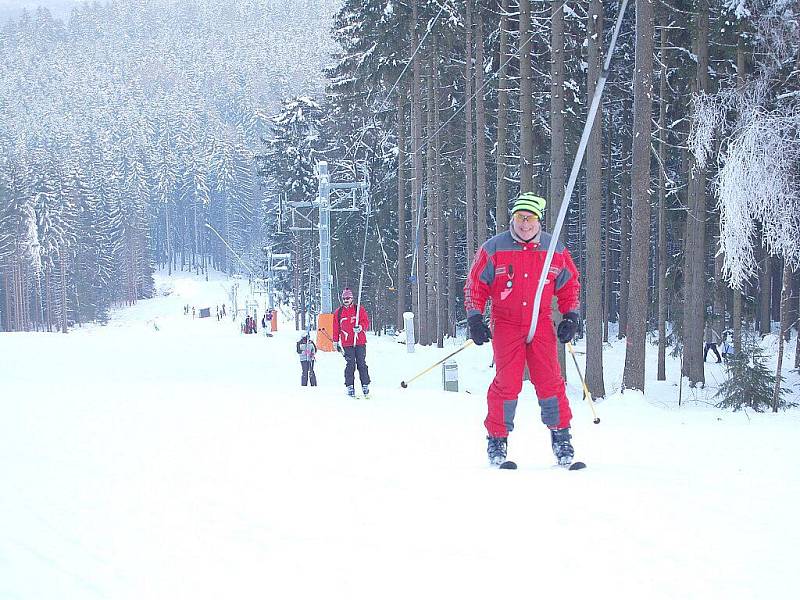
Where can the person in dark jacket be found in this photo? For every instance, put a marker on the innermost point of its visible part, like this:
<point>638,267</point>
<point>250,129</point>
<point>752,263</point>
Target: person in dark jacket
<point>308,353</point>
<point>350,338</point>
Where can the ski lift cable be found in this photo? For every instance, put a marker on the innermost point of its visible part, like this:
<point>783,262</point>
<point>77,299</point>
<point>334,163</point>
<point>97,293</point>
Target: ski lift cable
<point>576,165</point>
<point>429,28</point>
<point>239,258</point>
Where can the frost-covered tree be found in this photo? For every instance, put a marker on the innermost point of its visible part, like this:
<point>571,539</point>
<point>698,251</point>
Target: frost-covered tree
<point>139,98</point>
<point>756,122</point>
<point>758,127</point>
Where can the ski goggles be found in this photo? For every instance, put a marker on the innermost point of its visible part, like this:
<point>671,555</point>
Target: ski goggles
<point>520,218</point>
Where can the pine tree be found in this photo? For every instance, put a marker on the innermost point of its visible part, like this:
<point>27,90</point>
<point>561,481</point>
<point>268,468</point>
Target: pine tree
<point>749,383</point>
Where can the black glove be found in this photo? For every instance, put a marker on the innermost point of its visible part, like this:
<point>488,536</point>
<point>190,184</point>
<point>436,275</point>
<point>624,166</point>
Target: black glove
<point>568,327</point>
<point>478,330</point>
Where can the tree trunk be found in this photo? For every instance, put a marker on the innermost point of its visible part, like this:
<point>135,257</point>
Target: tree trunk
<point>785,326</point>
<point>593,280</point>
<point>525,99</point>
<point>764,292</point>
<point>624,257</point>
<point>431,221</point>
<point>608,303</point>
<point>737,321</point>
<point>451,223</point>
<point>501,204</point>
<point>741,71</point>
<point>402,289</point>
<point>439,287</point>
<point>776,284</point>
<point>480,133</point>
<point>636,330</point>
<point>793,304</point>
<point>719,290</point>
<point>557,137</point>
<point>418,236</point>
<point>62,262</point>
<point>694,304</point>
<point>662,212</point>
<point>469,170</point>
<point>48,303</point>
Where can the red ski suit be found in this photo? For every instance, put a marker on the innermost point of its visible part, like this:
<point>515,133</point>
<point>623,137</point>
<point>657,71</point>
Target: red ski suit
<point>344,320</point>
<point>507,271</point>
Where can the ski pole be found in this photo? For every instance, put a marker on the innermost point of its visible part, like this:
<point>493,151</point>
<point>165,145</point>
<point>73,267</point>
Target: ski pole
<point>325,333</point>
<point>404,384</point>
<point>586,393</point>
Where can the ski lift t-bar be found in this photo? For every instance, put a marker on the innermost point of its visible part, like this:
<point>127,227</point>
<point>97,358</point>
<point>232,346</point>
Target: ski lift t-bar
<point>573,176</point>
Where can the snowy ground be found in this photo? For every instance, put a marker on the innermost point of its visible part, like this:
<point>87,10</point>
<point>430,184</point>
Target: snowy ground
<point>165,457</point>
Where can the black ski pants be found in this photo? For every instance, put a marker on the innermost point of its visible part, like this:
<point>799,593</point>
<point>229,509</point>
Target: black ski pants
<point>356,356</point>
<point>713,348</point>
<point>308,371</point>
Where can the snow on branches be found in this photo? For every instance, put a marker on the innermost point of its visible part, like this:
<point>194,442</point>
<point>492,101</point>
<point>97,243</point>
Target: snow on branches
<point>758,182</point>
<point>707,120</point>
<point>756,122</point>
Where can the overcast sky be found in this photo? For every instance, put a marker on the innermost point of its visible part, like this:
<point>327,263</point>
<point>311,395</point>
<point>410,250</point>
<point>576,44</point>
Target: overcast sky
<point>13,8</point>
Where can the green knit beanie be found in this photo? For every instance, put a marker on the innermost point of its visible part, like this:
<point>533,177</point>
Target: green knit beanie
<point>530,202</point>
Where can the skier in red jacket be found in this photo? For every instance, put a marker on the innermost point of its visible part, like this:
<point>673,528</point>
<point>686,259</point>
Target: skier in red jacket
<point>350,338</point>
<point>507,269</point>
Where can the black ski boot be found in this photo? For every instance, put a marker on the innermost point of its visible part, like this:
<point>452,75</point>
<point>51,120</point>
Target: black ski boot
<point>562,447</point>
<point>497,450</point>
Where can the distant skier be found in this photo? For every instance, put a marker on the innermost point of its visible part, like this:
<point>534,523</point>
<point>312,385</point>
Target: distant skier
<point>507,269</point>
<point>712,339</point>
<point>353,342</point>
<point>308,353</point>
<point>727,345</point>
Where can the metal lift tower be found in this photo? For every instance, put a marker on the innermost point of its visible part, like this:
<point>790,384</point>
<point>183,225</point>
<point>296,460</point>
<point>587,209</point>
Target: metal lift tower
<point>327,202</point>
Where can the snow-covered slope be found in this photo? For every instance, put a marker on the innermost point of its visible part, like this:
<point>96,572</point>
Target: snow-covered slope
<point>165,457</point>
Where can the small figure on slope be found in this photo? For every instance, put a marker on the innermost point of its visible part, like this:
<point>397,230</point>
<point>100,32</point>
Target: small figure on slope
<point>308,353</point>
<point>712,340</point>
<point>350,338</point>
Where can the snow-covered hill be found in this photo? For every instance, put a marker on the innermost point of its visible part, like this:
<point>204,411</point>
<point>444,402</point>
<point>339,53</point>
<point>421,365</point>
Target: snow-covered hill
<point>165,457</point>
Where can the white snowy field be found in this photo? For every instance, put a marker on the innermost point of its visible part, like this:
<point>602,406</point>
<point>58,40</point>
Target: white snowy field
<point>165,457</point>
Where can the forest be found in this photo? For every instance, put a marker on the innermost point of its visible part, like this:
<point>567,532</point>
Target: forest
<point>122,135</point>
